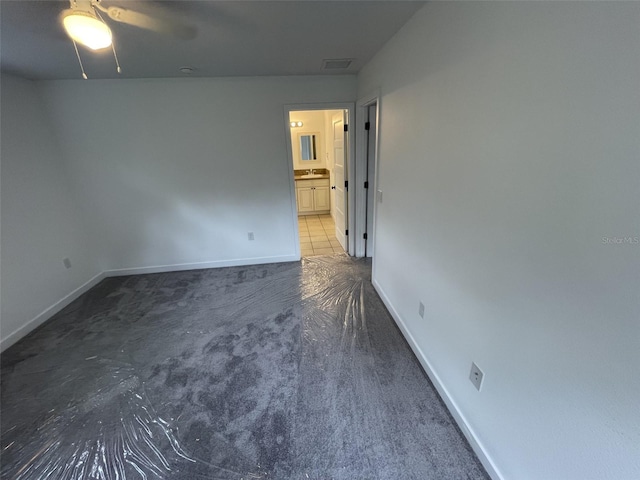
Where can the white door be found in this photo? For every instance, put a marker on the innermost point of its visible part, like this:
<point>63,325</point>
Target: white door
<point>371,177</point>
<point>337,122</point>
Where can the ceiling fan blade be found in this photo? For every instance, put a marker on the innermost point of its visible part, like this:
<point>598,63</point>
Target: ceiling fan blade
<point>162,25</point>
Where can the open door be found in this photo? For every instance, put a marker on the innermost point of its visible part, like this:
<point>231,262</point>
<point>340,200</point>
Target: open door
<point>371,127</point>
<point>340,173</point>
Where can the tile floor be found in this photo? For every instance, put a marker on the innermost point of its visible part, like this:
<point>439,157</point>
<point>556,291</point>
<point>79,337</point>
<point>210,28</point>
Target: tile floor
<point>318,235</point>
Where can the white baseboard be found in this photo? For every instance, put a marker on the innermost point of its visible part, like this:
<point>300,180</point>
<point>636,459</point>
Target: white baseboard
<point>238,262</point>
<point>48,312</point>
<point>451,404</point>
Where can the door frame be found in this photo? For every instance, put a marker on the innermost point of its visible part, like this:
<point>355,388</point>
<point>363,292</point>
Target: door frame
<point>362,108</point>
<point>351,192</point>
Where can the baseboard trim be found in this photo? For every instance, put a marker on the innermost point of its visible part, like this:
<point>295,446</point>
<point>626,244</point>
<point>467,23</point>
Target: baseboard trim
<point>451,404</point>
<point>49,312</point>
<point>237,262</point>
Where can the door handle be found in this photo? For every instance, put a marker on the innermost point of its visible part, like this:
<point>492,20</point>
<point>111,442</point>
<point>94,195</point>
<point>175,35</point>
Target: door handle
<point>333,188</point>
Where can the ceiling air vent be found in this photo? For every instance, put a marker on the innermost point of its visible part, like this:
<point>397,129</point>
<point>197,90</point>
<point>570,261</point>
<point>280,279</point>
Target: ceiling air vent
<point>336,63</point>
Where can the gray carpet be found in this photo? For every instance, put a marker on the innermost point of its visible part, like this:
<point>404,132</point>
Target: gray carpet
<point>284,371</point>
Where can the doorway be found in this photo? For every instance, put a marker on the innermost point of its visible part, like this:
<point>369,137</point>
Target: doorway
<point>368,194</point>
<point>319,150</point>
<point>371,135</point>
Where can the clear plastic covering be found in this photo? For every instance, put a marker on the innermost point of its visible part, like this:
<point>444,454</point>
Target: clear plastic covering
<point>259,372</point>
<point>86,418</point>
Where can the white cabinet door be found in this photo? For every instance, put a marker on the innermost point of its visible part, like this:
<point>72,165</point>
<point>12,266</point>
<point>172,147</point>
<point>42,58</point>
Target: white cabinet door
<point>321,198</point>
<point>305,199</point>
<point>313,195</point>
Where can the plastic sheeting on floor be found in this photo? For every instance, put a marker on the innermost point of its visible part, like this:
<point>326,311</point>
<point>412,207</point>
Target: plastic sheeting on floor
<point>272,371</point>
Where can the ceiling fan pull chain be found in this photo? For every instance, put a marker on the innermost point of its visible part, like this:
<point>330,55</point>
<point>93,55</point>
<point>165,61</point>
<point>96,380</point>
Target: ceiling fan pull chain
<point>84,75</point>
<point>115,55</point>
<point>113,47</point>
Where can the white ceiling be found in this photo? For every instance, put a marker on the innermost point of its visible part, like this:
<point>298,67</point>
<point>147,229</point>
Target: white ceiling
<point>234,38</point>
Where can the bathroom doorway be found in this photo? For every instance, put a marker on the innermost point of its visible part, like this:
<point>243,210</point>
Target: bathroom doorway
<point>319,152</point>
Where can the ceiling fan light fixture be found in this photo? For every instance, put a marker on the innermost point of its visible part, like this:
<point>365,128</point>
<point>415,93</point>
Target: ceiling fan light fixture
<point>85,28</point>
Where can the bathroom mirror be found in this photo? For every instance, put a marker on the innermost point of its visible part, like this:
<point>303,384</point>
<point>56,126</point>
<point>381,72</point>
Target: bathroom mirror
<point>308,146</point>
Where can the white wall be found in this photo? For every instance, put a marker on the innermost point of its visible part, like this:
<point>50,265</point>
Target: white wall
<point>177,172</point>
<point>313,122</point>
<point>41,223</point>
<point>509,148</point>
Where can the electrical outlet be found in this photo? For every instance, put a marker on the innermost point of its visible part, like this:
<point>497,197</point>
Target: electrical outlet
<point>421,309</point>
<point>251,237</point>
<point>379,196</point>
<point>67,263</point>
<point>476,376</point>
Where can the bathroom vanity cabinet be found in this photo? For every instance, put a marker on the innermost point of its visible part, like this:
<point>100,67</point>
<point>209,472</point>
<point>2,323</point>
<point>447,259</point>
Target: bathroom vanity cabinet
<point>313,196</point>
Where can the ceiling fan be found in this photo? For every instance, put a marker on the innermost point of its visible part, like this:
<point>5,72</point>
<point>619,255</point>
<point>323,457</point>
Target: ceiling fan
<point>84,24</point>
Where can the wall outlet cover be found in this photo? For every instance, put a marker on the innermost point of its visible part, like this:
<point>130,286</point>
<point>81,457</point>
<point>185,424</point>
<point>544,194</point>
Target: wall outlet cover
<point>421,309</point>
<point>66,262</point>
<point>250,235</point>
<point>476,376</point>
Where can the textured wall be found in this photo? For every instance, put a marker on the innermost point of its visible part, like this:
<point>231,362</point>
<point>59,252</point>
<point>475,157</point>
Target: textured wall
<point>178,171</point>
<point>41,221</point>
<point>509,151</point>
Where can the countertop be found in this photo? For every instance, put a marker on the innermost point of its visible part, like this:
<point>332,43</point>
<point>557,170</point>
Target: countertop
<point>299,177</point>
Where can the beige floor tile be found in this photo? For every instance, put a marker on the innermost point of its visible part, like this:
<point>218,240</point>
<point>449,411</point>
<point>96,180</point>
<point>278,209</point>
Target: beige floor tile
<point>307,253</point>
<point>319,238</point>
<point>317,245</point>
<point>315,232</point>
<point>323,251</point>
<point>335,244</point>
<point>306,245</point>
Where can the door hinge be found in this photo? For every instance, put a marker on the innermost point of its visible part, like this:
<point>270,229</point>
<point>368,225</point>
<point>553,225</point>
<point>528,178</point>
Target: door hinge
<point>346,232</point>
<point>366,184</point>
<point>346,127</point>
<point>367,126</point>
<point>364,235</point>
<point>346,184</point>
